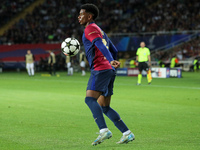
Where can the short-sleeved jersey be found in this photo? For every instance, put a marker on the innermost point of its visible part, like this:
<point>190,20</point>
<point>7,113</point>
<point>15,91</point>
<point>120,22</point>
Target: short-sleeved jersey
<point>142,54</point>
<point>96,59</point>
<point>29,58</point>
<point>52,58</point>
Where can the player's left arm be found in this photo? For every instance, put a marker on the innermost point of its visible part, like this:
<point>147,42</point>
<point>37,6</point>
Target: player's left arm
<point>94,35</point>
<point>149,57</point>
<point>99,44</point>
<point>113,49</point>
<point>137,53</point>
<point>115,63</point>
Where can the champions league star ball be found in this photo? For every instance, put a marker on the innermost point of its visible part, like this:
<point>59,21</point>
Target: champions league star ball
<point>70,46</point>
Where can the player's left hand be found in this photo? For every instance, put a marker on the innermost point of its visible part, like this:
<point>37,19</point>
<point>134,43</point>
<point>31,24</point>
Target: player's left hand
<point>115,63</point>
<point>149,64</point>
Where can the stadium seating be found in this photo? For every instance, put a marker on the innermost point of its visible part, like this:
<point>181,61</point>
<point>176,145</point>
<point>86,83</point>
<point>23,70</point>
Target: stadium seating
<point>10,9</point>
<point>163,16</point>
<point>55,20</point>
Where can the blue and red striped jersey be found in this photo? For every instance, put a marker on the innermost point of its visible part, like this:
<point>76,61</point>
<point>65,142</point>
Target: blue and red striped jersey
<point>96,59</point>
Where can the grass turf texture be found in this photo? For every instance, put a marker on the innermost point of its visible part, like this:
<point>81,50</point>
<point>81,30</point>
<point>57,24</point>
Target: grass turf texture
<point>49,113</point>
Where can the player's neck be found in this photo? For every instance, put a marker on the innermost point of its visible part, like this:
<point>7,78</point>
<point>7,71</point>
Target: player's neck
<point>92,21</point>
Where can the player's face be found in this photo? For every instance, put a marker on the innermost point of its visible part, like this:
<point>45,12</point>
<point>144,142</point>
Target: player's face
<point>83,17</point>
<point>142,44</point>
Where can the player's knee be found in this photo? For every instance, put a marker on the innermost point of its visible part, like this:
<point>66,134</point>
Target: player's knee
<point>89,100</point>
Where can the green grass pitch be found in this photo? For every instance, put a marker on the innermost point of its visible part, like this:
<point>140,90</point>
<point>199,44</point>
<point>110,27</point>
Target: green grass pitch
<point>49,113</point>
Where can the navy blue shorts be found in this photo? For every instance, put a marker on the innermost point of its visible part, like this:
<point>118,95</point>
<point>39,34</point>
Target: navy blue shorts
<point>102,81</point>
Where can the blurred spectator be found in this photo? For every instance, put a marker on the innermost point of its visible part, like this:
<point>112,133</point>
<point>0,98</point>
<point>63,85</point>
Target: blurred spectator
<point>173,15</point>
<point>174,62</point>
<point>195,66</point>
<point>55,20</point>
<point>10,9</point>
<point>183,51</point>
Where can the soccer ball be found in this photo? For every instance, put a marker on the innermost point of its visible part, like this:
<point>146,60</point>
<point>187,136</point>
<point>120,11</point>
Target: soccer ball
<point>70,46</point>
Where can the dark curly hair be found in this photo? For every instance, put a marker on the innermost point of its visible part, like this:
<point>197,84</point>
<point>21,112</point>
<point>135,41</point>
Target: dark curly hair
<point>91,8</point>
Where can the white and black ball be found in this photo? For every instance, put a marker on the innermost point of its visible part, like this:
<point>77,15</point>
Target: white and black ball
<point>70,46</point>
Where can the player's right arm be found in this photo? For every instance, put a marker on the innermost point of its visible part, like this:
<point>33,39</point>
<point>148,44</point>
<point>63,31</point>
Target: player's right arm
<point>137,53</point>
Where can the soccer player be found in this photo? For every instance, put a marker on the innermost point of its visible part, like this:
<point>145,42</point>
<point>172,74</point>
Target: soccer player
<point>82,60</point>
<point>143,56</point>
<point>70,69</point>
<point>29,57</point>
<point>52,63</point>
<point>101,55</point>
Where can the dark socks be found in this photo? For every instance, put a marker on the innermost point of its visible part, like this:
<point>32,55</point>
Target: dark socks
<point>115,118</point>
<point>96,111</point>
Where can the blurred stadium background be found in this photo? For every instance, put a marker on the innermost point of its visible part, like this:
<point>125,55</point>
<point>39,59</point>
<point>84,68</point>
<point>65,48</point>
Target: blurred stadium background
<point>168,28</point>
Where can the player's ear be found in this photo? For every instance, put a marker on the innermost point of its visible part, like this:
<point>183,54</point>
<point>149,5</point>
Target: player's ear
<point>90,16</point>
